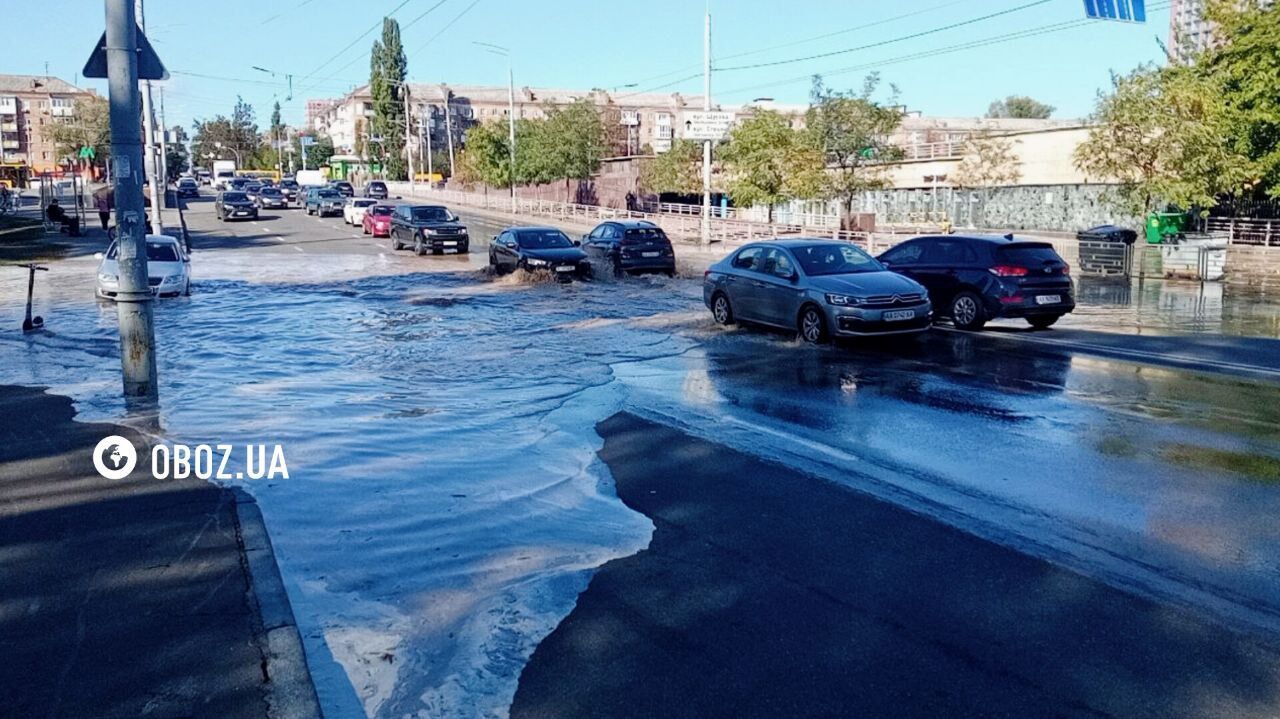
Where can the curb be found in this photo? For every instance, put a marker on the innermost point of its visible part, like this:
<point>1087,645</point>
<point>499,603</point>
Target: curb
<point>289,690</point>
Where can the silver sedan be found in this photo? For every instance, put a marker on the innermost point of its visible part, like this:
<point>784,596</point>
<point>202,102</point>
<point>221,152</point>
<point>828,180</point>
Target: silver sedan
<point>819,288</point>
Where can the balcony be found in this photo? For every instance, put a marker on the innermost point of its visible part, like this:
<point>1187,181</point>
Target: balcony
<point>933,150</point>
<point>8,127</point>
<point>8,105</point>
<point>8,144</point>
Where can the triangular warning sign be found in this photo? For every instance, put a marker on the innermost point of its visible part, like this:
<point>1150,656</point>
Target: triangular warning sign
<point>149,65</point>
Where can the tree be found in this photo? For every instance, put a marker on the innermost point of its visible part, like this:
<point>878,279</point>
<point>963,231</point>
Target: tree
<point>318,153</point>
<point>1164,135</point>
<point>988,162</point>
<point>175,158</point>
<point>1020,106</point>
<point>677,170</point>
<point>90,126</point>
<point>486,158</point>
<point>273,156</point>
<point>1245,70</point>
<point>569,143</point>
<point>388,68</point>
<point>238,135</point>
<point>851,131</point>
<point>759,161</point>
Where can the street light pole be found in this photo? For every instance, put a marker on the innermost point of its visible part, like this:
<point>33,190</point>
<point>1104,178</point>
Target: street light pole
<point>705,235</point>
<point>408,133</point>
<point>448,127</point>
<point>133,302</point>
<point>149,127</point>
<point>511,116</point>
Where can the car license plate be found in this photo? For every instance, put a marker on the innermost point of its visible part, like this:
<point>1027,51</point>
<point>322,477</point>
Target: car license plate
<point>564,268</point>
<point>899,315</point>
<point>1048,299</point>
<point>650,254</point>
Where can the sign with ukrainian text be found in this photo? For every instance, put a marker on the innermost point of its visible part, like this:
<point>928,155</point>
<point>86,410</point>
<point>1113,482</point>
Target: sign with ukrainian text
<point>1123,10</point>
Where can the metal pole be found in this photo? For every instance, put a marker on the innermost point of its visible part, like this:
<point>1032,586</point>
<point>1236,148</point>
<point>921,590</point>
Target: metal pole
<point>408,132</point>
<point>164,144</point>
<point>422,133</point>
<point>149,156</point>
<point>705,237</point>
<point>133,303</point>
<point>511,129</point>
<point>448,127</point>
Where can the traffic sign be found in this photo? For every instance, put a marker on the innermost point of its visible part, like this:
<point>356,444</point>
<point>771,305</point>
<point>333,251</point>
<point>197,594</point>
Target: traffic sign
<point>306,140</point>
<point>86,153</point>
<point>149,65</point>
<point>1126,10</point>
<point>707,125</point>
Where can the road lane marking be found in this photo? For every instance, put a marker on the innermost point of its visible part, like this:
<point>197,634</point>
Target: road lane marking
<point>299,249</point>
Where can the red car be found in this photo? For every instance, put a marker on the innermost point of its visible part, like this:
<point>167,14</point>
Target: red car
<point>377,221</point>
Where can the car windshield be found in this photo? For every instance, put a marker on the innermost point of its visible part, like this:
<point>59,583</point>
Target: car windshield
<point>161,252</point>
<point>835,260</point>
<point>270,192</point>
<point>328,194</point>
<point>234,197</point>
<point>432,214</point>
<point>543,239</point>
<point>290,184</point>
<point>380,211</point>
<point>186,182</point>
<point>377,186</point>
<point>252,187</point>
<point>363,203</point>
<point>643,234</point>
<point>1028,255</point>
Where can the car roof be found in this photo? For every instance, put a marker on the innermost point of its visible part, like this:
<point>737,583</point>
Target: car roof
<point>635,224</point>
<point>990,239</point>
<point>531,228</point>
<point>162,239</point>
<point>798,242</point>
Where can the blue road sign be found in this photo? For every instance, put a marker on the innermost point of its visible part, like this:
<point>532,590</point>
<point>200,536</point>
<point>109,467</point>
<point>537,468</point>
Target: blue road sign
<point>1125,10</point>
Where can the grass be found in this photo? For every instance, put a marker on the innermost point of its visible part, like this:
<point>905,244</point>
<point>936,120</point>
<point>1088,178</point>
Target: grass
<point>1258,467</point>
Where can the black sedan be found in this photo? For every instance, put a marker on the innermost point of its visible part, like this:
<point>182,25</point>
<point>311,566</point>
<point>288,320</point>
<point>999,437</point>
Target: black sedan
<point>188,187</point>
<point>290,189</point>
<point>235,205</point>
<point>273,198</point>
<point>377,189</point>
<point>976,278</point>
<point>538,249</point>
<point>343,187</point>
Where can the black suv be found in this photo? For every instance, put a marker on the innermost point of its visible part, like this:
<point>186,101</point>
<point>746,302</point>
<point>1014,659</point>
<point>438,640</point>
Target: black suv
<point>377,189</point>
<point>428,228</point>
<point>343,187</point>
<point>976,278</point>
<point>290,189</point>
<point>631,246</point>
<point>234,204</point>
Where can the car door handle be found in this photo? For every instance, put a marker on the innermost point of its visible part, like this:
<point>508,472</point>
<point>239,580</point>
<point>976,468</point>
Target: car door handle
<point>758,283</point>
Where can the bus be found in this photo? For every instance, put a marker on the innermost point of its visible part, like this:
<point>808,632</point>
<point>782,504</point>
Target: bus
<point>14,175</point>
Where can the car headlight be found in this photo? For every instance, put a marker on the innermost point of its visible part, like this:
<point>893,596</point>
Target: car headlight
<point>534,262</point>
<point>105,277</point>
<point>428,231</point>
<point>843,300</point>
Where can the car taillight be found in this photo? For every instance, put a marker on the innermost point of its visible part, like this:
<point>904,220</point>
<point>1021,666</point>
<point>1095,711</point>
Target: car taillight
<point>1066,269</point>
<point>1008,271</point>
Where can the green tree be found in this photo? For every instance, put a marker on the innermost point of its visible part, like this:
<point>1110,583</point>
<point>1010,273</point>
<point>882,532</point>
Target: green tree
<point>388,68</point>
<point>1164,135</point>
<point>273,156</point>
<point>677,170</point>
<point>318,153</point>
<point>176,160</point>
<point>765,162</point>
<point>1245,69</point>
<point>486,158</point>
<point>568,144</point>
<point>851,131</point>
<point>90,126</point>
<point>238,135</point>
<point>1020,106</point>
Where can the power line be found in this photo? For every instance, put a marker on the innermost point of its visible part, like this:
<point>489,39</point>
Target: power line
<point>447,25</point>
<point>348,46</point>
<point>408,25</point>
<point>882,43</point>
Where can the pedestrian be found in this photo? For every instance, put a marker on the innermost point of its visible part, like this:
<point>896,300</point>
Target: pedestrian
<point>69,224</point>
<point>103,200</point>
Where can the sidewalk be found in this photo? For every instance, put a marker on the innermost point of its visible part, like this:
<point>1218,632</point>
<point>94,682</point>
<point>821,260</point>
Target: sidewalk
<point>124,598</point>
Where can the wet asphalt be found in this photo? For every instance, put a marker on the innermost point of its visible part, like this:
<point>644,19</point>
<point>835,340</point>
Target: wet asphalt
<point>1077,522</point>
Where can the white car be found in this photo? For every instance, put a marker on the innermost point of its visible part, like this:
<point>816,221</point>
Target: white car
<point>168,269</point>
<point>354,209</point>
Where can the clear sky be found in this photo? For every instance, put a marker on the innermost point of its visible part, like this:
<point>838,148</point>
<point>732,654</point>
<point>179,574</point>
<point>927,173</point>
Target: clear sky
<point>942,55</point>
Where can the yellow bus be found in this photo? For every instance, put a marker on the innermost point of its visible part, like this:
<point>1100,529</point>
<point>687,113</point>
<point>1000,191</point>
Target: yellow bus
<point>259,174</point>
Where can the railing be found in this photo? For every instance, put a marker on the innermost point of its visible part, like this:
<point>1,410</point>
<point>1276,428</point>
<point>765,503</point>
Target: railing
<point>933,150</point>
<point>1243,231</point>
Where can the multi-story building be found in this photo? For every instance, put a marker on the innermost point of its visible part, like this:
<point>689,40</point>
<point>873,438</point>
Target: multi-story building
<point>1189,31</point>
<point>316,110</point>
<point>29,106</point>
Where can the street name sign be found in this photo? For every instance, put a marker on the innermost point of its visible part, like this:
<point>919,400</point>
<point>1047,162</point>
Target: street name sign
<point>707,125</point>
<point>1125,10</point>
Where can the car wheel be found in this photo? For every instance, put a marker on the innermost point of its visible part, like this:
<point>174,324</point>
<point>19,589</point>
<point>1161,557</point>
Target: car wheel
<point>812,325</point>
<point>967,312</point>
<point>721,310</point>
<point>395,243</point>
<point>1041,322</point>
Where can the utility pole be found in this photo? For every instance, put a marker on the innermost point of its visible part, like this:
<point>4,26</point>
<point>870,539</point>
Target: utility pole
<point>705,237</point>
<point>164,145</point>
<point>133,303</point>
<point>149,127</point>
<point>448,127</point>
<point>408,133</point>
<point>511,129</point>
<point>422,133</point>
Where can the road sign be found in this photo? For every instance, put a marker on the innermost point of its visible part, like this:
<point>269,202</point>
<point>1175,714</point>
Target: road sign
<point>86,153</point>
<point>306,140</point>
<point>149,65</point>
<point>1126,10</point>
<point>707,125</point>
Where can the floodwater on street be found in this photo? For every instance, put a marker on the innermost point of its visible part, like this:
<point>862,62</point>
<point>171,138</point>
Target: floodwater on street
<point>445,504</point>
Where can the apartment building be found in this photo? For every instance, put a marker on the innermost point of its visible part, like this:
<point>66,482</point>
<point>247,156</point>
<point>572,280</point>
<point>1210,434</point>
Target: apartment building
<point>1189,32</point>
<point>29,105</point>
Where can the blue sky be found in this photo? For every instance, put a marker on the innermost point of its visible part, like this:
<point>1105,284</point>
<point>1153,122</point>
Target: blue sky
<point>602,43</point>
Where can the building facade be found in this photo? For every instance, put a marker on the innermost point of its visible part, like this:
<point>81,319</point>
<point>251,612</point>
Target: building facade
<point>1189,32</point>
<point>29,106</point>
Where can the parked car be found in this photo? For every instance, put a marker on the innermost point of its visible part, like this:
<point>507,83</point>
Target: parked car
<point>377,220</point>
<point>234,204</point>
<point>376,189</point>
<point>354,209</point>
<point>819,288</point>
<point>631,246</point>
<point>188,187</point>
<point>290,189</point>
<point>976,278</point>
<point>168,269</point>
<point>428,228</point>
<point>538,248</point>
<point>343,187</point>
<point>323,201</point>
<point>272,197</point>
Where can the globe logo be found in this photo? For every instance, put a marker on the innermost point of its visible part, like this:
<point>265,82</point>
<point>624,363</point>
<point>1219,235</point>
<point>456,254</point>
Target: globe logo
<point>114,457</point>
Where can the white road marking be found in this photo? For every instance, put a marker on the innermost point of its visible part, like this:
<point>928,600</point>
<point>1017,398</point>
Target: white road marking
<point>299,249</point>
<point>278,238</point>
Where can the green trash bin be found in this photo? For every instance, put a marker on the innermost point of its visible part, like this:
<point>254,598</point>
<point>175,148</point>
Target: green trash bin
<point>1165,224</point>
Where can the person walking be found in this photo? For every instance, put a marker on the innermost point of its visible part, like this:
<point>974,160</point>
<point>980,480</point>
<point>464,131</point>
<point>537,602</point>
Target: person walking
<point>103,201</point>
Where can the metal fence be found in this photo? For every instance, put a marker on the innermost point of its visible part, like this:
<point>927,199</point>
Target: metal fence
<point>1246,231</point>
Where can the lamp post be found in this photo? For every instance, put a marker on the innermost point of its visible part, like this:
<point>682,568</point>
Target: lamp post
<point>511,114</point>
<point>234,151</point>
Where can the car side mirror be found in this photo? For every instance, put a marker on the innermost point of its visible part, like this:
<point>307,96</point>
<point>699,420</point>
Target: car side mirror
<point>794,276</point>
<point>886,264</point>
<point>577,243</point>
<point>97,255</point>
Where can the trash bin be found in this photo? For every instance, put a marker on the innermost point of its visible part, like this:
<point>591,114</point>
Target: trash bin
<point>1161,225</point>
<point>1104,250</point>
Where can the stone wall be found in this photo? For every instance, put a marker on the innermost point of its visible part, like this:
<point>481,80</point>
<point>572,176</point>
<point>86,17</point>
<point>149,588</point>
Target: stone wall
<point>1045,208</point>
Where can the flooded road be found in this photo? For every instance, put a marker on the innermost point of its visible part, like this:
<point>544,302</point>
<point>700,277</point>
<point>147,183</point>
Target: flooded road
<point>445,504</point>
